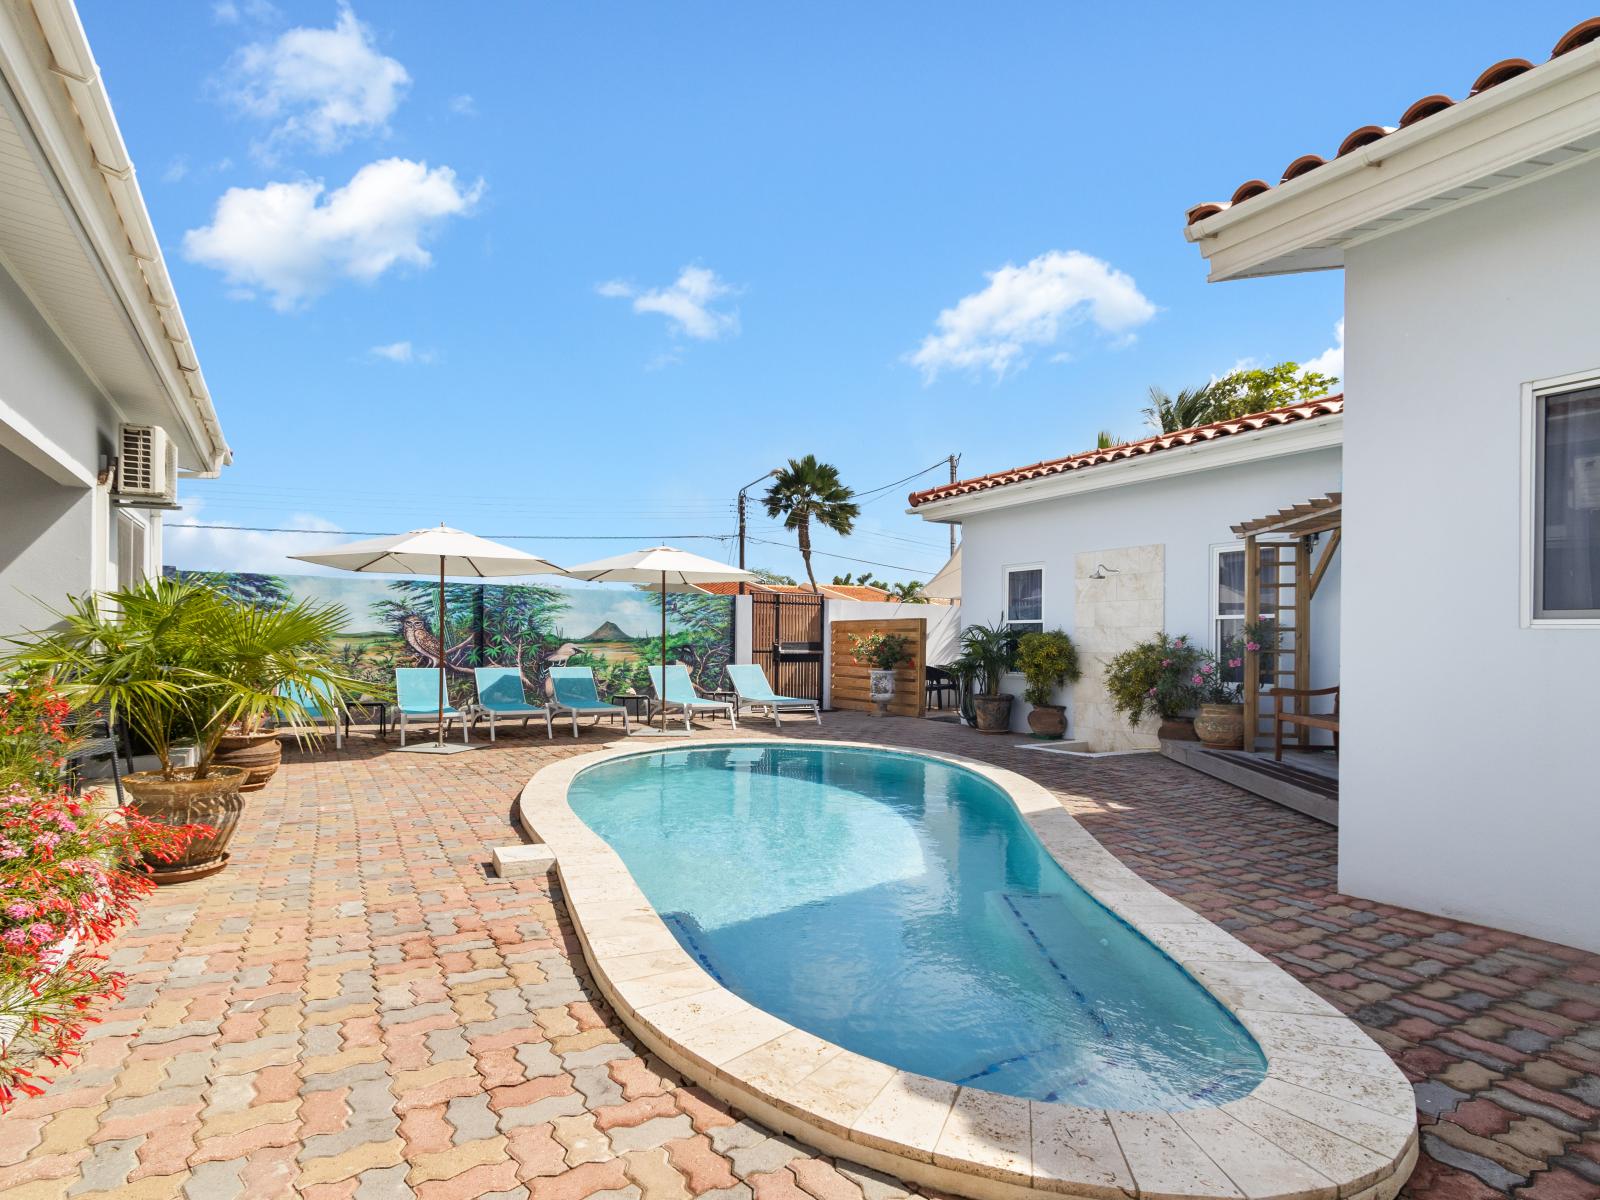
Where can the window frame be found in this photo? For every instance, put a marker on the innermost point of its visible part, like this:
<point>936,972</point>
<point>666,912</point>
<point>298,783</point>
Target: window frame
<point>1534,393</point>
<point>1214,599</point>
<point>1006,572</point>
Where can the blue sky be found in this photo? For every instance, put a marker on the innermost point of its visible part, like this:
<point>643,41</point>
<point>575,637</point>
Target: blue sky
<point>579,270</point>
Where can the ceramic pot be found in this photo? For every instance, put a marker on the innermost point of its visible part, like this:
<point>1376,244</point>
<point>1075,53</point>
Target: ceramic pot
<point>258,753</point>
<point>1177,729</point>
<point>994,713</point>
<point>880,688</point>
<point>1221,726</point>
<point>213,801</point>
<point>1048,720</point>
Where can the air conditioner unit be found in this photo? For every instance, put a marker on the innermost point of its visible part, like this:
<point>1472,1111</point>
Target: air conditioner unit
<point>147,465</point>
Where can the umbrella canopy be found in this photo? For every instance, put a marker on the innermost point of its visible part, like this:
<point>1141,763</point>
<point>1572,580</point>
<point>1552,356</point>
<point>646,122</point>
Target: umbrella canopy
<point>420,553</point>
<point>661,569</point>
<point>442,551</point>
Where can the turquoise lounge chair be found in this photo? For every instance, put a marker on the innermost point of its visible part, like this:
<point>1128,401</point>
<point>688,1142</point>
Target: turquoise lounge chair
<point>755,694</point>
<point>575,694</point>
<point>416,693</point>
<point>679,694</point>
<point>319,704</point>
<point>500,694</point>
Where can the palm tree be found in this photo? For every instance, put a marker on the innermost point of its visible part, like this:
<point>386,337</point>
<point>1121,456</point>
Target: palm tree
<point>865,579</point>
<point>1105,440</point>
<point>807,491</point>
<point>1190,407</point>
<point>908,591</point>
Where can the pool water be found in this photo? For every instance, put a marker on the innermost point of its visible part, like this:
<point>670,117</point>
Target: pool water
<point>900,907</point>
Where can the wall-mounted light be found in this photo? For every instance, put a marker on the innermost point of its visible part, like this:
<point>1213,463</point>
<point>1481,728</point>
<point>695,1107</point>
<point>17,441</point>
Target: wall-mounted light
<point>1101,571</point>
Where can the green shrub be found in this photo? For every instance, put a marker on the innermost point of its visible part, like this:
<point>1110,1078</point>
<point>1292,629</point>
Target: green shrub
<point>1046,660</point>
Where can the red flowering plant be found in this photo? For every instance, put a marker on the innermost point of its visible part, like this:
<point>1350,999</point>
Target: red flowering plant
<point>71,873</point>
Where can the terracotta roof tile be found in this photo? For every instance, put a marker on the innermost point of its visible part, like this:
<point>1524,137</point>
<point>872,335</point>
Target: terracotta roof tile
<point>834,591</point>
<point>1328,406</point>
<point>1507,68</point>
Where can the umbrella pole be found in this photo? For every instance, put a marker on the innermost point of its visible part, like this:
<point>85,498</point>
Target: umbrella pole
<point>441,651</point>
<point>663,653</point>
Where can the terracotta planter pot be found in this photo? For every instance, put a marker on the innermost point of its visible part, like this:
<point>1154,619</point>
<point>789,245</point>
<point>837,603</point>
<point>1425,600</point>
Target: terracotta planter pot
<point>1221,726</point>
<point>1177,729</point>
<point>1048,720</point>
<point>213,801</point>
<point>258,753</point>
<point>881,688</point>
<point>994,713</point>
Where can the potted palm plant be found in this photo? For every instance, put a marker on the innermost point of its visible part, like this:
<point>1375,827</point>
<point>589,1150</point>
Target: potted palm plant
<point>883,652</point>
<point>1047,660</point>
<point>180,661</point>
<point>992,651</point>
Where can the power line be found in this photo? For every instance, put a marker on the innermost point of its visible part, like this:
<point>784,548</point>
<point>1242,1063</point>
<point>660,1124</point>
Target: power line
<point>885,487</point>
<point>866,562</point>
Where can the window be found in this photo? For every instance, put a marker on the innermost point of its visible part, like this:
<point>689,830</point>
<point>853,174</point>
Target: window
<point>132,558</point>
<point>1227,610</point>
<point>1566,502</point>
<point>1025,599</point>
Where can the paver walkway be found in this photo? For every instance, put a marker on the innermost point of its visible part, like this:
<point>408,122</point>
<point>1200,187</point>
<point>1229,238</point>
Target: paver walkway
<point>355,1009</point>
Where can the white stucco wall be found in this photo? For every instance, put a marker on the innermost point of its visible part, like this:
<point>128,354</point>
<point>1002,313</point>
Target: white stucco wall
<point>54,536</point>
<point>1186,515</point>
<point>1471,779</point>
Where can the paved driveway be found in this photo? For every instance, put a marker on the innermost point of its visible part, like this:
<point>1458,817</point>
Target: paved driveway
<point>354,1008</point>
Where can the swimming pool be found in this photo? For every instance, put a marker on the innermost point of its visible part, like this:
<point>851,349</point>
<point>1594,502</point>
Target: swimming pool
<point>899,906</point>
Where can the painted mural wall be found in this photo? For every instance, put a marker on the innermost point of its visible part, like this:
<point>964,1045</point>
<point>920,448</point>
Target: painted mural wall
<point>616,632</point>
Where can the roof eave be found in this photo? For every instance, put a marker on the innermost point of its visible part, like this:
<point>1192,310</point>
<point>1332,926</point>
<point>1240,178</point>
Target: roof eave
<point>1274,441</point>
<point>1519,130</point>
<point>72,119</point>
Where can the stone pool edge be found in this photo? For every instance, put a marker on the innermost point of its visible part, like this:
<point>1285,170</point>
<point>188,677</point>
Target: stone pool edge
<point>1333,1118</point>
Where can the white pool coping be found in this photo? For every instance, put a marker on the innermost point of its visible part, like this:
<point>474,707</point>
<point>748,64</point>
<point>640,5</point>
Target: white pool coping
<point>1334,1116</point>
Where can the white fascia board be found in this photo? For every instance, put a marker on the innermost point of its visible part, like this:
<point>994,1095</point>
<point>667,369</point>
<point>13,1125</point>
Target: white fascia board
<point>54,77</point>
<point>1319,433</point>
<point>1291,227</point>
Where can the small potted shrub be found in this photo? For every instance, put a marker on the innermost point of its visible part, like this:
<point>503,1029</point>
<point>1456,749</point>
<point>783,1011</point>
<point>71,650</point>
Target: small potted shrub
<point>990,651</point>
<point>1047,661</point>
<point>1219,724</point>
<point>883,652</point>
<point>181,661</point>
<point>1154,678</point>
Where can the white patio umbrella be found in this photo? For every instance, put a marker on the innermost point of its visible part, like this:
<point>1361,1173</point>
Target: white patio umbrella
<point>423,552</point>
<point>661,569</point>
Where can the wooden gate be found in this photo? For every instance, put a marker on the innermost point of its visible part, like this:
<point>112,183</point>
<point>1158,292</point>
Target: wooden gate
<point>786,641</point>
<point>850,680</point>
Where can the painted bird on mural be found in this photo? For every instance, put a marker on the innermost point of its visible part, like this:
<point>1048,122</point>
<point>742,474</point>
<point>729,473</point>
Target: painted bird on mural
<point>415,633</point>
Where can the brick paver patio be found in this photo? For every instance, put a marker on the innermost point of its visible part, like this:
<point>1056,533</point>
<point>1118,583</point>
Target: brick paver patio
<point>354,1008</point>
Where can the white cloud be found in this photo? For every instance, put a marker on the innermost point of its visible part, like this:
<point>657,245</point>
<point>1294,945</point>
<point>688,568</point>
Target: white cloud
<point>176,169</point>
<point>231,12</point>
<point>1331,360</point>
<point>294,240</point>
<point>464,105</point>
<point>687,302</point>
<point>240,550</point>
<point>1030,306</point>
<point>321,86</point>
<point>402,352</point>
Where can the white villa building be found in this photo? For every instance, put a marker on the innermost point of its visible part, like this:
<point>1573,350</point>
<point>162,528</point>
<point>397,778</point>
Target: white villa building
<point>102,402</point>
<point>1114,546</point>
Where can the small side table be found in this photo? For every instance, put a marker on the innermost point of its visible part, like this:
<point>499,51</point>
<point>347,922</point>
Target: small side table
<point>637,705</point>
<point>370,703</point>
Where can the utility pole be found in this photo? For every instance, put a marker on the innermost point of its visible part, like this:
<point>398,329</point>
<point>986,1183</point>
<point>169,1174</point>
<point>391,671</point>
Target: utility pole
<point>954,459</point>
<point>742,492</point>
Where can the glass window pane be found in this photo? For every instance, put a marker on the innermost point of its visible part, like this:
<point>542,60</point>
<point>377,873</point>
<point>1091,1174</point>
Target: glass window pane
<point>1570,490</point>
<point>1230,583</point>
<point>1025,596</point>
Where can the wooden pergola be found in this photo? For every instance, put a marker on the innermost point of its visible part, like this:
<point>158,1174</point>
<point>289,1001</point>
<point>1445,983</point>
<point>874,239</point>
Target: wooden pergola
<point>1283,567</point>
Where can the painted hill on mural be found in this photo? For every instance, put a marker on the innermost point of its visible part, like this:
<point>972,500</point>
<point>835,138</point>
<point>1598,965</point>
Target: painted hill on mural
<point>609,632</point>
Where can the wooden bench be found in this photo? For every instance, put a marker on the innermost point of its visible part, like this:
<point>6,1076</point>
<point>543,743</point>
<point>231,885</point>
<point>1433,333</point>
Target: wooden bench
<point>1303,720</point>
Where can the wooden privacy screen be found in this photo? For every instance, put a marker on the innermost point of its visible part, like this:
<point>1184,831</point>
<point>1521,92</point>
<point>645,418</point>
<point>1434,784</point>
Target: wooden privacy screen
<point>850,680</point>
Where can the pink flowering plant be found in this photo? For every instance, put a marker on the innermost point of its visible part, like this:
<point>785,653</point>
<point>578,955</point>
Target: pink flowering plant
<point>1156,677</point>
<point>71,873</point>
